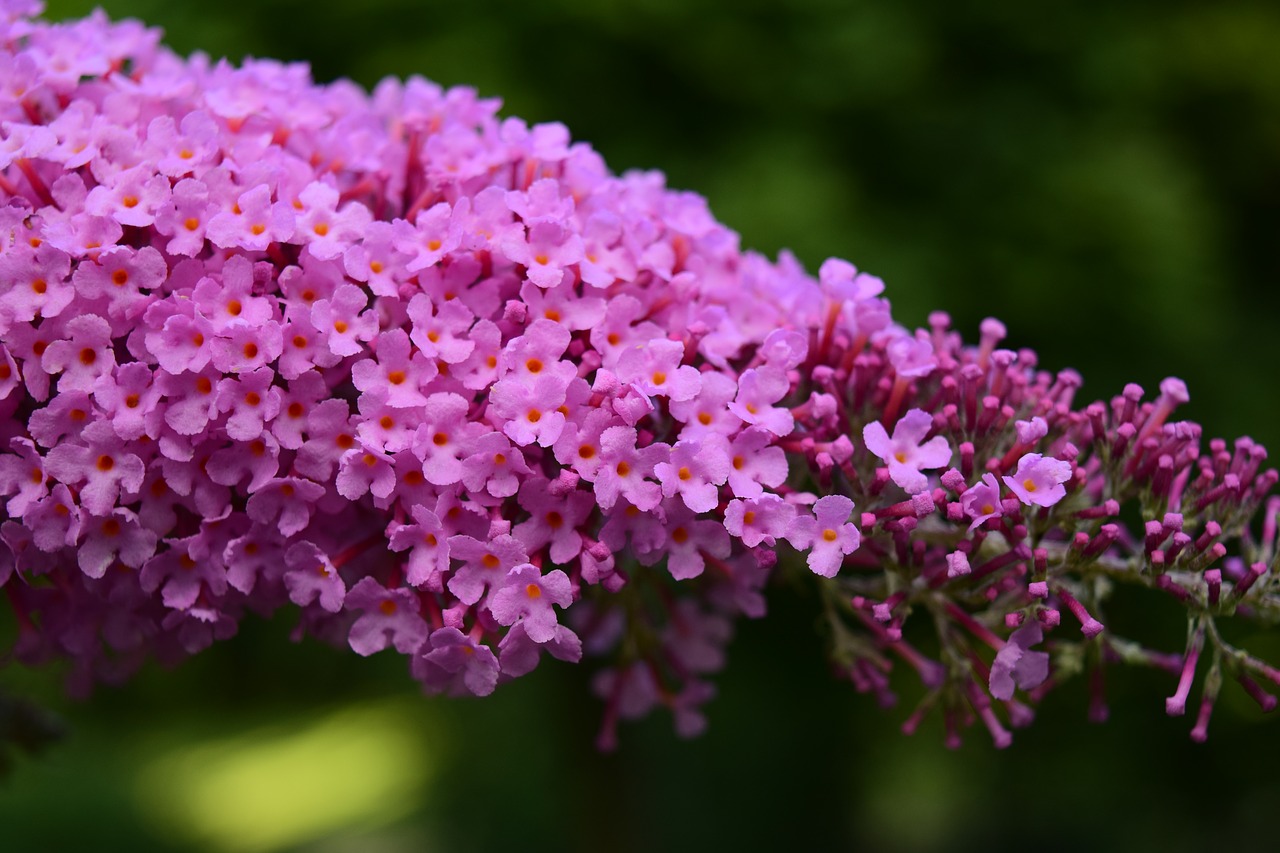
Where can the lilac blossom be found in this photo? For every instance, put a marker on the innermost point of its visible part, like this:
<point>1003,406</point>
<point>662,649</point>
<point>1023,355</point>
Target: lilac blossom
<point>982,500</point>
<point>827,535</point>
<point>1039,480</point>
<point>443,383</point>
<point>456,664</point>
<point>905,454</point>
<point>528,597</point>
<point>390,619</point>
<point>1016,664</point>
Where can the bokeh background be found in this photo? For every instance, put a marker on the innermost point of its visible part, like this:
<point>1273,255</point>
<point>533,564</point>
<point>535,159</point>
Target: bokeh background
<point>1104,176</point>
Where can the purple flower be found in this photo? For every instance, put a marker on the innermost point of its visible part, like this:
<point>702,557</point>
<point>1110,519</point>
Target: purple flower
<point>1016,664</point>
<point>982,501</point>
<point>1039,480</point>
<point>827,534</point>
<point>528,597</point>
<point>904,454</point>
<point>763,519</point>
<point>453,663</point>
<point>390,618</point>
<point>312,578</point>
<point>695,471</point>
<point>428,375</point>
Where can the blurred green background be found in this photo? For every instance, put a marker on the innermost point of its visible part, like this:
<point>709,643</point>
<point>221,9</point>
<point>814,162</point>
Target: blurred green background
<point>1105,177</point>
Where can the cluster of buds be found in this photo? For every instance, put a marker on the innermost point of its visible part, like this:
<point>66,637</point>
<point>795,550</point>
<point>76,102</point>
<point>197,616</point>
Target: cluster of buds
<point>445,384</point>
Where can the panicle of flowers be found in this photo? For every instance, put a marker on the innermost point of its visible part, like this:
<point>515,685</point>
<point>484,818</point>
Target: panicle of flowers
<point>444,384</point>
<point>997,504</point>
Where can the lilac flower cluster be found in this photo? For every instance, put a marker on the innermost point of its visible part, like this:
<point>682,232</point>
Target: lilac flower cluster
<point>445,384</point>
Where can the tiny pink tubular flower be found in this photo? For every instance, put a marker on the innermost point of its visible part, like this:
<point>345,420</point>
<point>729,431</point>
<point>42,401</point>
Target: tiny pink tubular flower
<point>121,276</point>
<point>537,352</point>
<point>191,400</point>
<point>180,337</point>
<point>241,346</point>
<point>231,300</point>
<point>553,519</point>
<point>548,249</point>
<point>485,565</point>
<point>22,477</point>
<point>440,441</point>
<point>184,217</point>
<point>1029,432</point>
<point>562,305</point>
<point>428,544</point>
<point>252,401</point>
<point>84,355</point>
<point>390,618</point>
<point>441,330</point>
<point>182,571</point>
<point>364,469</point>
<point>130,398</point>
<point>625,467</point>
<point>1039,480</point>
<point>343,322</point>
<point>759,520</point>
<point>841,281</point>
<point>828,534</point>
<point>102,466</point>
<point>118,536</point>
<point>689,541</point>
<point>256,555</point>
<point>35,281</point>
<point>435,233</point>
<point>312,578</point>
<point>695,471</point>
<point>957,564</point>
<point>708,412</point>
<point>904,455</point>
<point>178,150</point>
<point>130,197</point>
<point>396,371</point>
<point>655,368</point>
<point>518,654</point>
<point>329,435</point>
<point>526,596</point>
<point>528,407</point>
<point>758,389</point>
<point>453,663</point>
<point>755,463</point>
<point>286,502</point>
<point>325,230</point>
<point>1016,665</point>
<point>54,521</point>
<point>982,500</point>
<point>912,357</point>
<point>253,223</point>
<point>494,466</point>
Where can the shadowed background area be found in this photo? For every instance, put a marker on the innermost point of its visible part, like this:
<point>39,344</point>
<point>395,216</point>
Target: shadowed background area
<point>1103,177</point>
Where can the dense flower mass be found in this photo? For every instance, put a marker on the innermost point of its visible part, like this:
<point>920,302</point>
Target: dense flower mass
<point>444,384</point>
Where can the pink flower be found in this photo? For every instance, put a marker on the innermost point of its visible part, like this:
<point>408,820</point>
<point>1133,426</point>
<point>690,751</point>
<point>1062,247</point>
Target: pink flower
<point>904,454</point>
<point>1016,664</point>
<point>1039,480</point>
<point>827,534</point>
<point>451,662</point>
<point>528,597</point>
<point>312,578</point>
<point>982,501</point>
<point>390,619</point>
<point>695,471</point>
